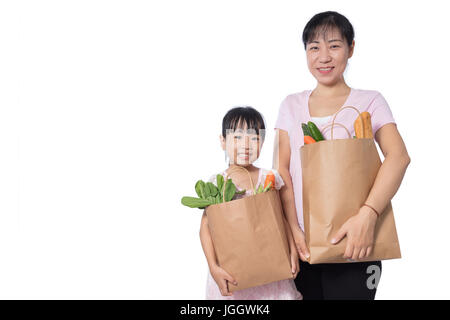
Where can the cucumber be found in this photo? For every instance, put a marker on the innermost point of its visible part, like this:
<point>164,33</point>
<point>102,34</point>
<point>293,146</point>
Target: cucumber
<point>305,129</point>
<point>315,132</point>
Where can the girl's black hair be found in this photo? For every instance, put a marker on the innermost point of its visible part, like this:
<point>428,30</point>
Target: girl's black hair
<point>240,115</point>
<point>324,21</point>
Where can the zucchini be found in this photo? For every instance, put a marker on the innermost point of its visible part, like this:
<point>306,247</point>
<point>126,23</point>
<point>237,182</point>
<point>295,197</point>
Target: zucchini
<point>305,129</point>
<point>315,132</point>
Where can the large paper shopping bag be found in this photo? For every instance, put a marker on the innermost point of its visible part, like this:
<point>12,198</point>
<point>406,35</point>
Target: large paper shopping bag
<point>250,240</point>
<point>338,175</point>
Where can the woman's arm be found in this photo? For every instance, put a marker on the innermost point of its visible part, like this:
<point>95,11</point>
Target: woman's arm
<point>360,228</point>
<point>392,170</point>
<point>281,161</point>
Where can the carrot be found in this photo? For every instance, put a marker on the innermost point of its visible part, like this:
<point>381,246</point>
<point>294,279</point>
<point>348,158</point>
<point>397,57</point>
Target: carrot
<point>270,179</point>
<point>308,140</point>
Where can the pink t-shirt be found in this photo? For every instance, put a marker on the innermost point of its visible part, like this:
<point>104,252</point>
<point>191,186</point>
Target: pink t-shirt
<point>294,111</point>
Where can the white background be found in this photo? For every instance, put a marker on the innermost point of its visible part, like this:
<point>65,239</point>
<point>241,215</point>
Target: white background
<point>111,110</point>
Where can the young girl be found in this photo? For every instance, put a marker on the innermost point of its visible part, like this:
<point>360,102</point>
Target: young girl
<point>242,138</point>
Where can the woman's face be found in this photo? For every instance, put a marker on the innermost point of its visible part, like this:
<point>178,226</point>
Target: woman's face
<point>242,146</point>
<point>327,56</point>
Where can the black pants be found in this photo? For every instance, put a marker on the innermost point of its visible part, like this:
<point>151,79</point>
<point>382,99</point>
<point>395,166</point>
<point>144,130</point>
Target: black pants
<point>336,281</point>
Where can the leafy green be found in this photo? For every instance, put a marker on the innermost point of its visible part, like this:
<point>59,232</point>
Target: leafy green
<point>195,202</point>
<point>218,198</point>
<point>209,194</point>
<point>268,187</point>
<point>212,189</point>
<point>230,190</point>
<point>200,189</point>
<point>207,191</point>
<point>220,181</point>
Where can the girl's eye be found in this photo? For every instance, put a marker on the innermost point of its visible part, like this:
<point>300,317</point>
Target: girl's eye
<point>237,137</point>
<point>255,139</point>
<point>335,46</point>
<point>313,48</point>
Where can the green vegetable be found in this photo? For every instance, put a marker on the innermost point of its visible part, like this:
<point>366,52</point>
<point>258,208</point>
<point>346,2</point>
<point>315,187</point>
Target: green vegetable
<point>230,190</point>
<point>195,202</point>
<point>259,189</point>
<point>220,183</point>
<point>212,189</point>
<point>305,129</point>
<point>210,194</point>
<point>315,132</point>
<point>218,198</point>
<point>200,189</point>
<point>206,190</point>
<point>268,187</point>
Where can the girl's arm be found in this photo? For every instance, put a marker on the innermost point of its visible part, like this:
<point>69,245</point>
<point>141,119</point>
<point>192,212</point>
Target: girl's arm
<point>220,275</point>
<point>207,244</point>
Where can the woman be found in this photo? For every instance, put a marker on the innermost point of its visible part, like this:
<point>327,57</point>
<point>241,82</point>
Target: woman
<point>329,42</point>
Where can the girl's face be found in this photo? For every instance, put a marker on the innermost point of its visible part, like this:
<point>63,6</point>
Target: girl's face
<point>327,56</point>
<point>242,146</point>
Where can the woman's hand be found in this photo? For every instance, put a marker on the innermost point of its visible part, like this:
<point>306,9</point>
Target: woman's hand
<point>221,277</point>
<point>359,230</point>
<point>295,265</point>
<point>300,243</point>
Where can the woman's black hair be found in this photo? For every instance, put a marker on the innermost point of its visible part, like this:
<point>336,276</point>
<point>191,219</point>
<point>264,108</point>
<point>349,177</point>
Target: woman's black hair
<point>324,21</point>
<point>238,116</point>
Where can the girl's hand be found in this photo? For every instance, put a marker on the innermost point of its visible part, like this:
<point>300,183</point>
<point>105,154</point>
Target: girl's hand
<point>295,265</point>
<point>221,277</point>
<point>300,243</point>
<point>359,230</point>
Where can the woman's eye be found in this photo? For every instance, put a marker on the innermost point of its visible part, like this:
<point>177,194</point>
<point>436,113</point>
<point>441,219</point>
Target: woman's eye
<point>334,46</point>
<point>313,48</point>
<point>255,139</point>
<point>237,137</point>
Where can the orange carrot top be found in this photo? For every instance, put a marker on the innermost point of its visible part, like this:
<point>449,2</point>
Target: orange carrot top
<point>270,179</point>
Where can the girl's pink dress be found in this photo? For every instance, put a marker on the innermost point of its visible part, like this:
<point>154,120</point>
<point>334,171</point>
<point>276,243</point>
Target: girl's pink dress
<point>279,290</point>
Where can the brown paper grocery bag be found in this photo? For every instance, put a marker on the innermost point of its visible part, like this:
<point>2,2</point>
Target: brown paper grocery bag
<point>249,239</point>
<point>337,178</point>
